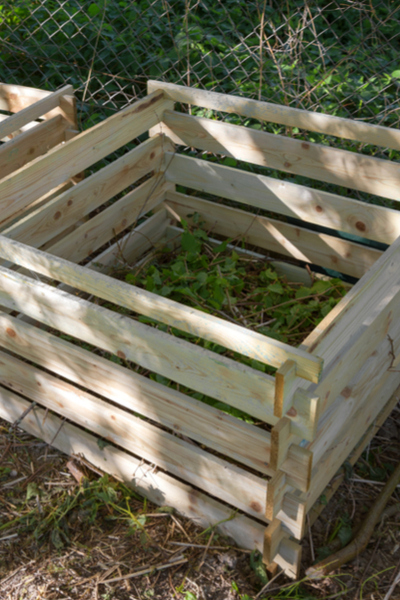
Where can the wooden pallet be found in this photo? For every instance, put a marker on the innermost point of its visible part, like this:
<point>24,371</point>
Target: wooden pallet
<point>257,485</point>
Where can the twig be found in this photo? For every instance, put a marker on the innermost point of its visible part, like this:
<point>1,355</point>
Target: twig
<point>94,52</point>
<point>391,589</point>
<point>147,570</point>
<point>359,543</point>
<point>311,539</point>
<point>205,551</point>
<point>13,426</point>
<point>266,586</point>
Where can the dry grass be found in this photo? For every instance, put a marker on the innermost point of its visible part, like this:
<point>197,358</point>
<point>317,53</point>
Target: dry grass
<point>91,540</point>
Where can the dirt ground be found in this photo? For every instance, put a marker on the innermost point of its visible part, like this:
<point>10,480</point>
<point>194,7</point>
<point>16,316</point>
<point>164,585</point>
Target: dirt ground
<point>98,540</point>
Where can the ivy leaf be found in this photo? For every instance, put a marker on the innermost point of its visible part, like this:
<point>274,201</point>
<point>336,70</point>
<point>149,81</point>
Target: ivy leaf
<point>345,534</point>
<point>190,243</point>
<point>276,288</point>
<point>93,10</point>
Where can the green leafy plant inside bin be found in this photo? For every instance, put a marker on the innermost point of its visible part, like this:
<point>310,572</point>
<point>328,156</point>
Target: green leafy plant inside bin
<point>235,286</point>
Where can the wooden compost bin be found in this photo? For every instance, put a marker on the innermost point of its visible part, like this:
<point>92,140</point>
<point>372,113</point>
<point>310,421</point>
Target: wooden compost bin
<point>327,395</point>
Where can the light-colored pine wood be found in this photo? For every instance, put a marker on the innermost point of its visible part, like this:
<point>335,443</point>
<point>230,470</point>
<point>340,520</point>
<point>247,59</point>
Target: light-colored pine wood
<point>284,380</point>
<point>280,441</point>
<point>178,457</point>
<point>296,242</point>
<point>159,487</point>
<point>372,430</point>
<point>32,112</point>
<point>352,396</point>
<point>201,370</point>
<point>332,165</point>
<point>93,234</point>
<point>185,318</point>
<point>43,224</point>
<point>283,197</point>
<point>24,212</point>
<point>135,243</point>
<point>304,414</point>
<point>273,536</point>
<point>284,115</point>
<point>351,432</point>
<point>23,128</point>
<point>192,418</point>
<point>292,514</point>
<point>275,494</point>
<point>31,144</point>
<point>46,172</point>
<point>14,98</point>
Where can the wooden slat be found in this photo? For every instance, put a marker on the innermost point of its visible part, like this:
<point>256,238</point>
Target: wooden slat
<point>46,172</point>
<point>202,370</point>
<point>32,112</point>
<point>219,478</point>
<point>135,243</point>
<point>43,224</point>
<point>284,115</point>
<point>23,128</point>
<point>31,144</point>
<point>297,242</point>
<point>27,210</point>
<point>93,234</point>
<point>159,487</point>
<point>192,418</point>
<point>372,430</point>
<point>284,380</point>
<point>340,167</point>
<point>289,199</point>
<point>17,97</point>
<point>188,319</point>
<point>359,346</point>
<point>350,398</point>
<point>351,432</point>
<point>206,425</point>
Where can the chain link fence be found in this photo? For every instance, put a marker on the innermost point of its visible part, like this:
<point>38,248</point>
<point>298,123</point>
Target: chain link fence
<point>340,57</point>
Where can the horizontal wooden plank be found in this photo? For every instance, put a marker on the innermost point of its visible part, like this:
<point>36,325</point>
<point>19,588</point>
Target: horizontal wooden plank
<point>46,172</point>
<point>278,113</point>
<point>359,346</point>
<point>98,230</point>
<point>340,167</point>
<point>351,432</point>
<point>365,376</point>
<point>23,128</point>
<point>31,144</point>
<point>214,475</point>
<point>33,111</point>
<point>160,488</point>
<point>289,199</point>
<point>372,430</point>
<point>17,97</point>
<point>27,210</point>
<point>52,219</point>
<point>135,243</point>
<point>183,362</point>
<point>194,419</point>
<point>188,319</point>
<point>296,242</point>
